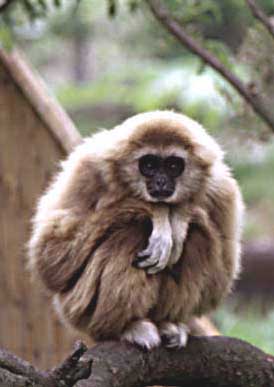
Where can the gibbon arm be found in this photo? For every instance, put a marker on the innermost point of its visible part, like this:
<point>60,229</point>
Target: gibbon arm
<point>62,240</point>
<point>216,241</point>
<point>156,255</point>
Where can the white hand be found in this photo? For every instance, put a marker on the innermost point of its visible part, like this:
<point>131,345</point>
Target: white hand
<point>157,254</point>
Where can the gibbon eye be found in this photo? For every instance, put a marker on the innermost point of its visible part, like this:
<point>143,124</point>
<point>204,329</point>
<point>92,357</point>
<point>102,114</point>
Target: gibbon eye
<point>174,165</point>
<point>149,164</point>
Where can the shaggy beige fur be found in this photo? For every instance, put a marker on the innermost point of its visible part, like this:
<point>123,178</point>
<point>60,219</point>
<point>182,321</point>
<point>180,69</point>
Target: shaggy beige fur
<point>97,216</point>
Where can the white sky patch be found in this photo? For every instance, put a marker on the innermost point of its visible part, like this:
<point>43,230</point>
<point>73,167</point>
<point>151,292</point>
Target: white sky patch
<point>191,86</point>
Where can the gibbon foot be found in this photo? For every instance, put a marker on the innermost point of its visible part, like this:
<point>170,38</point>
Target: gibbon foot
<point>156,256</point>
<point>143,333</point>
<point>174,335</point>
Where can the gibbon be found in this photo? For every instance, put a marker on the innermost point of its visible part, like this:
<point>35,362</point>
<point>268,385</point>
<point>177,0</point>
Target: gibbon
<point>140,231</point>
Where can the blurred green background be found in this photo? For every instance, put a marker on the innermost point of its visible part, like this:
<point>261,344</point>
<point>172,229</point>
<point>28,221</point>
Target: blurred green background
<point>105,62</point>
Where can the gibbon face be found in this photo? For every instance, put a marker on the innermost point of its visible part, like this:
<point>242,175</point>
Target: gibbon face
<point>160,174</point>
<point>168,174</point>
<point>165,159</point>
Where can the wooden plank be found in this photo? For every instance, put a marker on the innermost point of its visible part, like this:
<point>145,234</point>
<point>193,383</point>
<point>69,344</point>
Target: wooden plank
<point>29,154</point>
<point>44,104</point>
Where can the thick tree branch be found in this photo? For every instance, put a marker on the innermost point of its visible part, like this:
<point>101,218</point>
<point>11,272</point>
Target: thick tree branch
<point>258,13</point>
<point>19,373</point>
<point>251,96</point>
<point>208,362</point>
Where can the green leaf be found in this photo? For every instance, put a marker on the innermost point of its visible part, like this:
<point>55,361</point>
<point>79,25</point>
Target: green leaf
<point>43,5</point>
<point>220,51</point>
<point>6,40</point>
<point>201,67</point>
<point>133,5</point>
<point>112,8</point>
<point>30,9</point>
<point>57,3</point>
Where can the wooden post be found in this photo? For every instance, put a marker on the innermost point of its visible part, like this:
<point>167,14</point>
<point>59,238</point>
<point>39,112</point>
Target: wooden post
<point>35,133</point>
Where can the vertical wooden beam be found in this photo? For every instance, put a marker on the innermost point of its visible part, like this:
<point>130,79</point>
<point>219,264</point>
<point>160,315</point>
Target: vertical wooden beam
<point>35,134</point>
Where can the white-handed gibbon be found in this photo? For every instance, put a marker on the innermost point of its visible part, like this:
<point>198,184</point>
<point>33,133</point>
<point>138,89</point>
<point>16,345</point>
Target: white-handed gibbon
<point>140,231</point>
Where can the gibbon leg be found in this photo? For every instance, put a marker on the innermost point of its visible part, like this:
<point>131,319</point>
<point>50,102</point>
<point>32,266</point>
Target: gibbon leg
<point>143,333</point>
<point>173,335</point>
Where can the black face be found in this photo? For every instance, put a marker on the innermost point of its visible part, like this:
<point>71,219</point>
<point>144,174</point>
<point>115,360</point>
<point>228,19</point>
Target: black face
<point>161,173</point>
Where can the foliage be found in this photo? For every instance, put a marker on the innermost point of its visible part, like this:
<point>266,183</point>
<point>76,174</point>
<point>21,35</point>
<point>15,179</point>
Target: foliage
<point>253,168</point>
<point>6,36</point>
<point>160,87</point>
<point>256,53</point>
<point>254,171</point>
<point>19,13</point>
<point>223,21</point>
<point>248,324</point>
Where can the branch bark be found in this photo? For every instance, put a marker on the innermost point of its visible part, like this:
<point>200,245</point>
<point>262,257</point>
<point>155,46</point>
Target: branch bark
<point>206,361</point>
<point>251,96</point>
<point>258,13</point>
<point>44,104</point>
<point>6,5</point>
<point>15,372</point>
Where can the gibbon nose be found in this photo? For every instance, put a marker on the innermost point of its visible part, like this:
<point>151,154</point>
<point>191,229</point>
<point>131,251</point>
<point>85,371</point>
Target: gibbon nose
<point>160,187</point>
<point>161,182</point>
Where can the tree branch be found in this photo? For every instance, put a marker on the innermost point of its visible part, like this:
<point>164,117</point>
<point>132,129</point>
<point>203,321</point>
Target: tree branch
<point>206,361</point>
<point>19,373</point>
<point>258,13</point>
<point>250,95</point>
<point>6,5</point>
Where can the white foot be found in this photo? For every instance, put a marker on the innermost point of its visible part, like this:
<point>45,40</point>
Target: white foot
<point>174,335</point>
<point>143,333</point>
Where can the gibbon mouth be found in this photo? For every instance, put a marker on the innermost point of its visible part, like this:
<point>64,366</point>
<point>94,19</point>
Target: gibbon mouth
<point>161,194</point>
